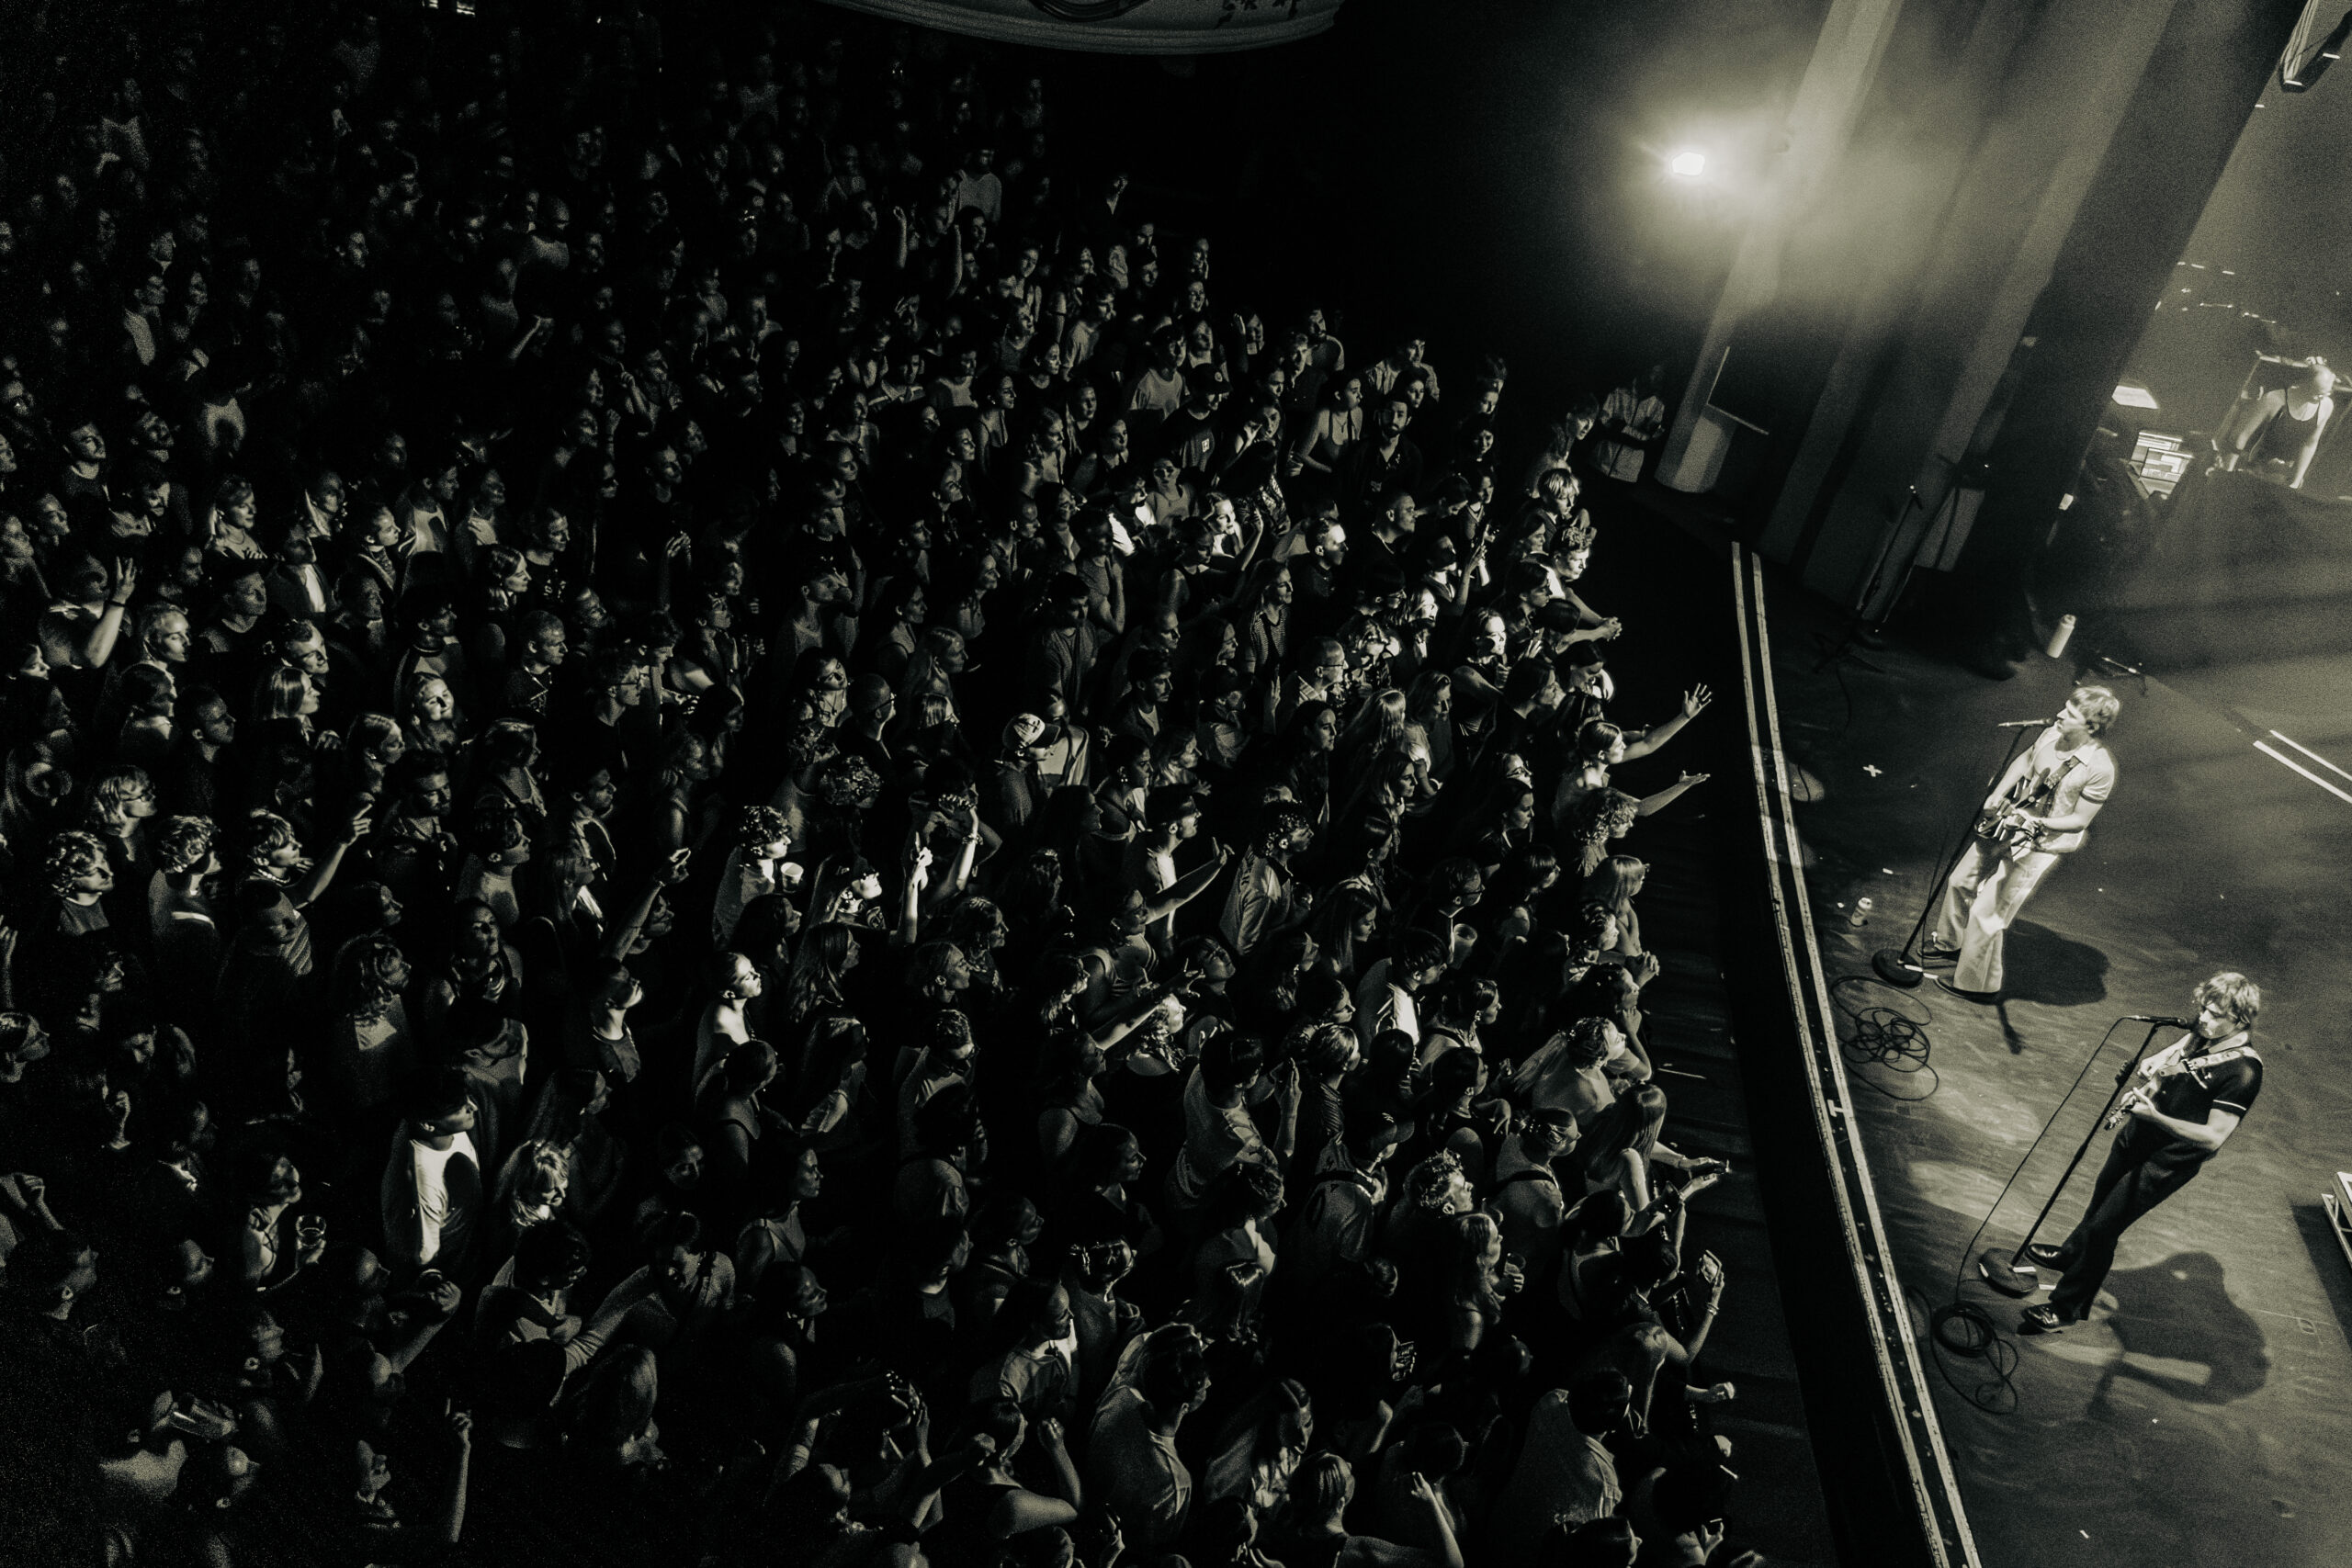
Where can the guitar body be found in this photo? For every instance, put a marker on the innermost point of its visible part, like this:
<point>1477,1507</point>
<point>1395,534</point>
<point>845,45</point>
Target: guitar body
<point>2010,824</point>
<point>2012,828</point>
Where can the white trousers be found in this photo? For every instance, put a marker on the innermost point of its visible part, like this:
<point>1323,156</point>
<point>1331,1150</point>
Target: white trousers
<point>1987,890</point>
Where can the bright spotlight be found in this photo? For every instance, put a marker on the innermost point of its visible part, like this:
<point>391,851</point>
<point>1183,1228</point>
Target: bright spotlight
<point>1687,165</point>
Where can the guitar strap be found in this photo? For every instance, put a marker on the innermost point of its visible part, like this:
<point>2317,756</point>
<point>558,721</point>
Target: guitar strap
<point>2049,791</point>
<point>2198,1064</point>
<point>2170,1062</point>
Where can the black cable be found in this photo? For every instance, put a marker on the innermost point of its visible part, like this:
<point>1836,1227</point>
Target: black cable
<point>1966,1331</point>
<point>1886,1034</point>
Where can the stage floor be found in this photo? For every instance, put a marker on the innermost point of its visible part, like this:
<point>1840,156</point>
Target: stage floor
<point>2204,1415</point>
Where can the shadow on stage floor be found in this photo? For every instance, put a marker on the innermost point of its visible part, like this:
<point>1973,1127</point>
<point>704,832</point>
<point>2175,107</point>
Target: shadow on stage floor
<point>2201,1417</point>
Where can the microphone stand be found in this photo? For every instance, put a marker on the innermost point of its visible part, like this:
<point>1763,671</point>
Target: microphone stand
<point>2009,1272</point>
<point>1895,965</point>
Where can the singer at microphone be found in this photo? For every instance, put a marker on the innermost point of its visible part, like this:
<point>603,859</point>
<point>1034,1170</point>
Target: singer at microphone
<point>2187,1100</point>
<point>2039,811</point>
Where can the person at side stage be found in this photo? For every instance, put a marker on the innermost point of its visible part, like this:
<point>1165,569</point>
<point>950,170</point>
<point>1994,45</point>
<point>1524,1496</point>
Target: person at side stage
<point>2191,1096</point>
<point>2275,434</point>
<point>2041,810</point>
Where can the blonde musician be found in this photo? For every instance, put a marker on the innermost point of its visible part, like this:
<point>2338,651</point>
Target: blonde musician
<point>2184,1103</point>
<point>2041,810</point>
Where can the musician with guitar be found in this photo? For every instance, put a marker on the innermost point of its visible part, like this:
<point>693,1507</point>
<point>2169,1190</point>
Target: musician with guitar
<point>2188,1098</point>
<point>2040,811</point>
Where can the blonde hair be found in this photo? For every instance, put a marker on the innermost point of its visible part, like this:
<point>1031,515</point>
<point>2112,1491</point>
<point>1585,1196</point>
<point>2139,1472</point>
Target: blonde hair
<point>2233,994</point>
<point>2097,705</point>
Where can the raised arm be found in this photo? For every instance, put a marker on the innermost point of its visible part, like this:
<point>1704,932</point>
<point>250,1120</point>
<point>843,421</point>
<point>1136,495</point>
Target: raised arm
<point>1189,886</point>
<point>1694,703</point>
<point>1668,796</point>
<point>314,881</point>
<point>98,646</point>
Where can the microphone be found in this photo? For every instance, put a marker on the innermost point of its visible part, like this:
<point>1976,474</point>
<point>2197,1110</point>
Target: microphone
<point>2152,1018</point>
<point>2024,723</point>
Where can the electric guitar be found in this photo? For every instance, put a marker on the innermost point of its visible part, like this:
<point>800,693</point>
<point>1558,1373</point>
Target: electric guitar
<point>2157,1071</point>
<point>2011,824</point>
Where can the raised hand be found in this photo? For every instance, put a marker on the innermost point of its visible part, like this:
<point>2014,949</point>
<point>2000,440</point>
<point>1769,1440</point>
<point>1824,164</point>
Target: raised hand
<point>1695,701</point>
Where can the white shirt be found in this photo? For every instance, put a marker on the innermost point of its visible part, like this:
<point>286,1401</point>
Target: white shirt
<point>434,1207</point>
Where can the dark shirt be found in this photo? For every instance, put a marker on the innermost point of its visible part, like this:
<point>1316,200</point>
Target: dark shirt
<point>2192,1097</point>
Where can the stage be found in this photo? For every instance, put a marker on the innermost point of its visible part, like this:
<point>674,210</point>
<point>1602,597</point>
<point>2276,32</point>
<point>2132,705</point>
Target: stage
<point>2204,1415</point>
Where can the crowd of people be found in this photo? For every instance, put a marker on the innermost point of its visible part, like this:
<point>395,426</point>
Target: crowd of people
<point>734,823</point>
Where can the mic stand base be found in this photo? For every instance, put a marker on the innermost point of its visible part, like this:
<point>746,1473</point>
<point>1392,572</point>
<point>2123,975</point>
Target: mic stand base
<point>2007,1273</point>
<point>1895,968</point>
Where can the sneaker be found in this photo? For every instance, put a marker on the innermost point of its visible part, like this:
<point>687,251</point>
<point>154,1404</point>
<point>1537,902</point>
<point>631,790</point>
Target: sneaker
<point>2043,1255</point>
<point>1939,955</point>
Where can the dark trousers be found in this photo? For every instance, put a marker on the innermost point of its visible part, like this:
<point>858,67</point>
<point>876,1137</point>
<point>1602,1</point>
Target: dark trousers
<point>2128,1188</point>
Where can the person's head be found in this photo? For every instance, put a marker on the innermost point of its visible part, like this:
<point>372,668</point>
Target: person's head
<point>551,1256</point>
<point>1617,883</point>
<point>1437,1186</point>
<point>1420,959</point>
<point>376,973</point>
<point>1246,1195</point>
<point>284,691</point>
<point>1324,1485</point>
<point>2095,706</point>
<point>677,1254</point>
<point>52,1270</point>
<point>268,915</point>
<point>677,1152</point>
<point>2226,1004</point>
<point>74,866</point>
<point>261,1176</point>
<point>939,969</point>
<point>119,799</point>
<point>749,1069</point>
<point>1547,1131</point>
<point>1590,1041</point>
<point>1600,741</point>
<point>429,616</point>
<point>1175,1383</point>
<point>22,1041</point>
<point>183,845</point>
<point>1597,1401</point>
<point>1231,1062</point>
<point>438,1102</point>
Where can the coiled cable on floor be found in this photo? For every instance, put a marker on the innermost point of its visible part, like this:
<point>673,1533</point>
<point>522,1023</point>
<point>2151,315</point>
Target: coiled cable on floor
<point>1966,1331</point>
<point>1884,1029</point>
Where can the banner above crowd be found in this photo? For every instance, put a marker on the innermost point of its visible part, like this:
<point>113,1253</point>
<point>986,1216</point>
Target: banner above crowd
<point>1118,27</point>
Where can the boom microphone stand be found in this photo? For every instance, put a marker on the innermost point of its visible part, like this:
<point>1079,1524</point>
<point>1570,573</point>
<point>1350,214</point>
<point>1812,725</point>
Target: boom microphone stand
<point>2009,1272</point>
<point>1895,965</point>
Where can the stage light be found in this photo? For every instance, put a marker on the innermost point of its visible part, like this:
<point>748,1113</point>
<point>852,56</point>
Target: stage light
<point>1687,165</point>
